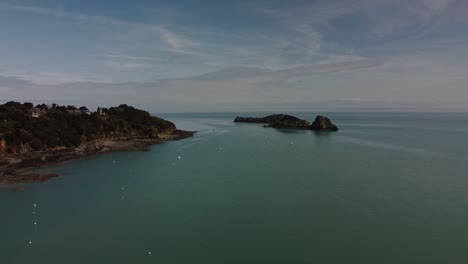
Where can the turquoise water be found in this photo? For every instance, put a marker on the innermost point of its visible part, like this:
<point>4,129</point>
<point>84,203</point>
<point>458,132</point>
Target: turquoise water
<point>386,188</point>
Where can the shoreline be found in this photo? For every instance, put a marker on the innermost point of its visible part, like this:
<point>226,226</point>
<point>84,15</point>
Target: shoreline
<point>19,168</point>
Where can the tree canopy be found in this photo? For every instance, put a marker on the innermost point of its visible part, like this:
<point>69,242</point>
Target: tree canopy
<point>58,128</point>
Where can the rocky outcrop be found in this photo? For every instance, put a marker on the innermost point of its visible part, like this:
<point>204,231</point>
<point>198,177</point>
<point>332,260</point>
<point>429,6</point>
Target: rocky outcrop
<point>3,147</point>
<point>321,123</point>
<point>8,178</point>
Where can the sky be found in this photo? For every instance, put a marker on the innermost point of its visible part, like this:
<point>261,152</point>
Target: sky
<point>206,55</point>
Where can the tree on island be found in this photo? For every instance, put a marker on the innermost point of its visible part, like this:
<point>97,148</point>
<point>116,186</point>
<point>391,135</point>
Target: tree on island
<point>28,105</point>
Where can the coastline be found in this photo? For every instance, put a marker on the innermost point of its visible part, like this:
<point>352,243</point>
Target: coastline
<point>19,168</point>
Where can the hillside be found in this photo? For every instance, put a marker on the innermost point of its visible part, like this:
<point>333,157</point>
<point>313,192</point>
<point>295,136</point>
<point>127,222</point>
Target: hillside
<point>32,136</point>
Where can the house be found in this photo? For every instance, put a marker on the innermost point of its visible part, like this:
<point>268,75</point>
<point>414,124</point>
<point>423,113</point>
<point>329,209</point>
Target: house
<point>102,111</point>
<point>36,112</point>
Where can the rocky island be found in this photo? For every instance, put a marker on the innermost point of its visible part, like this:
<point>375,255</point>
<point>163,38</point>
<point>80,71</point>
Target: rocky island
<point>33,136</point>
<point>321,123</point>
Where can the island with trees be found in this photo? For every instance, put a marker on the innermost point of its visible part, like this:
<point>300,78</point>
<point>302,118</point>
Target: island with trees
<point>33,136</point>
<point>321,123</point>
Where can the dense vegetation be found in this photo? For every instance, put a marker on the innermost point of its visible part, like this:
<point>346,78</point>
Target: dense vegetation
<point>69,126</point>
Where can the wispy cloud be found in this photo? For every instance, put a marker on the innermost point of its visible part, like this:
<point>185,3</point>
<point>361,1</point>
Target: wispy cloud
<point>48,78</point>
<point>57,12</point>
<point>172,39</point>
<point>216,86</point>
<point>274,12</point>
<point>123,57</point>
<point>398,20</point>
<point>258,88</point>
<point>129,65</point>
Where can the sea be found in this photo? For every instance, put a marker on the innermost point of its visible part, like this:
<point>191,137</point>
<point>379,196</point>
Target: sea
<point>387,188</point>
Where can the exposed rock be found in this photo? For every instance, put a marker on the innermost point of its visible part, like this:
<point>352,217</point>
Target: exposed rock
<point>12,168</point>
<point>8,178</point>
<point>322,123</point>
<point>3,147</point>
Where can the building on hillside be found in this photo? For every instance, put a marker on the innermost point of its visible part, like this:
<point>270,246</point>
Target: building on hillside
<point>37,112</point>
<point>102,111</point>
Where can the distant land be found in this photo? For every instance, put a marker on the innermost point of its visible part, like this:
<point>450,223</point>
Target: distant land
<point>33,136</point>
<point>321,123</point>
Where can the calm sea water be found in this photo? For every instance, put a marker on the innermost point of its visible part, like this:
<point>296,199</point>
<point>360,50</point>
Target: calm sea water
<point>386,188</point>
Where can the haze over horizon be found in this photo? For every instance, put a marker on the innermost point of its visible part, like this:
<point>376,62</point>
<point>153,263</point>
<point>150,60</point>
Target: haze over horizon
<point>196,56</point>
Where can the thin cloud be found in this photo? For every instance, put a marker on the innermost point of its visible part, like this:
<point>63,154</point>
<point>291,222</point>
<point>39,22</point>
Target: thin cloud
<point>129,65</point>
<point>43,11</point>
<point>45,78</point>
<point>170,38</point>
<point>174,41</point>
<point>124,57</point>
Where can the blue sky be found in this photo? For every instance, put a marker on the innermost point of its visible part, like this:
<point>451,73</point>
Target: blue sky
<point>192,56</point>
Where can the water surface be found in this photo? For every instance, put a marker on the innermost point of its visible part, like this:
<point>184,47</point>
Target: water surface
<point>386,188</point>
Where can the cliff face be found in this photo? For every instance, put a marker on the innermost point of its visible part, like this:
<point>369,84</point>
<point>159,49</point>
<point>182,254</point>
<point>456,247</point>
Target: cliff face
<point>3,147</point>
<point>321,123</point>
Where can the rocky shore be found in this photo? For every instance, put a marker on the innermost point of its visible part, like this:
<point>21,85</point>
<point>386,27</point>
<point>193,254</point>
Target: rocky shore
<point>321,123</point>
<point>19,168</point>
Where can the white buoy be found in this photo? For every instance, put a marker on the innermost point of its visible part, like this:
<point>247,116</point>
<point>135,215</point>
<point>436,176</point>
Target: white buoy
<point>30,242</point>
<point>149,253</point>
<point>35,223</point>
<point>179,157</point>
<point>123,188</point>
<point>35,205</point>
